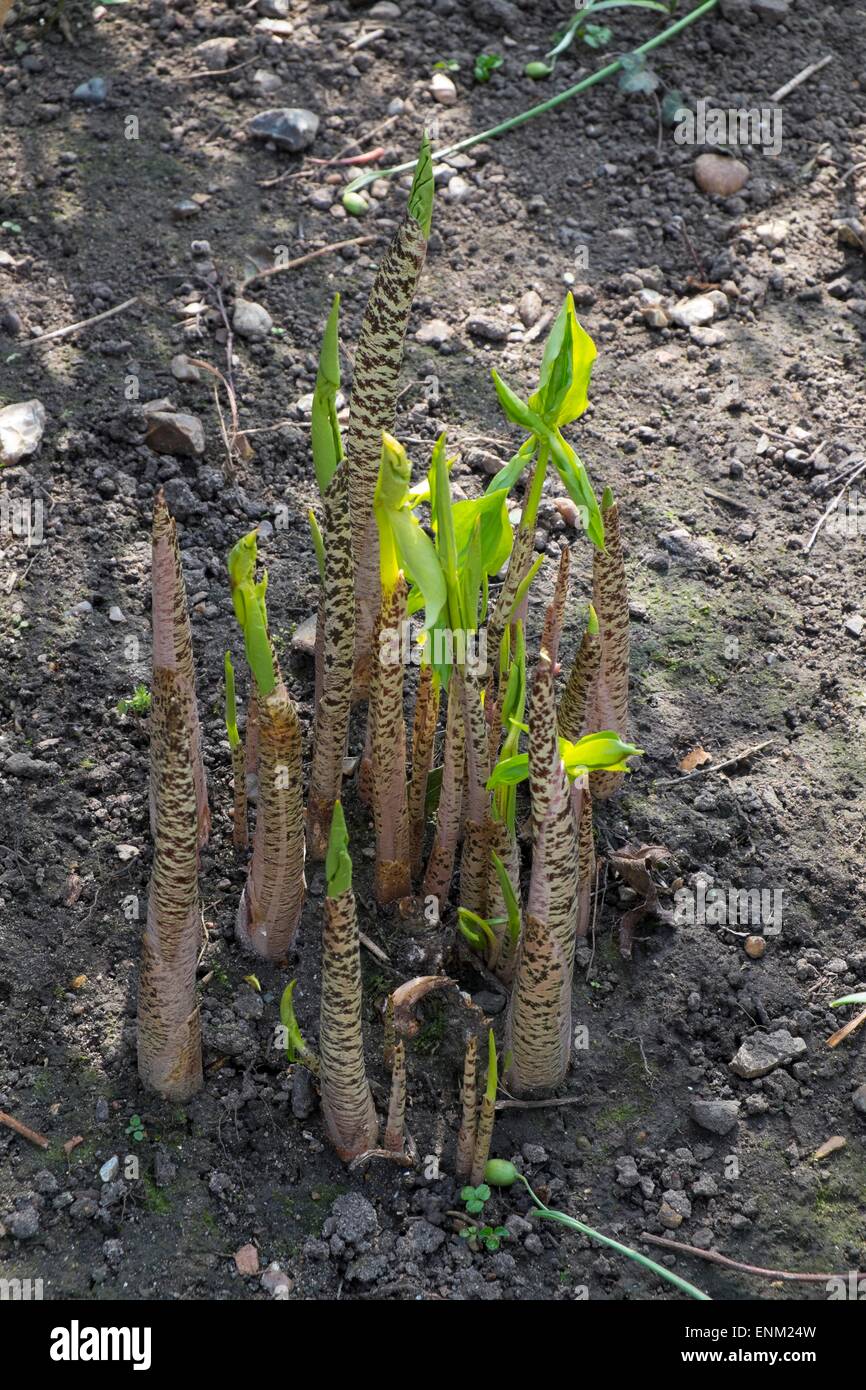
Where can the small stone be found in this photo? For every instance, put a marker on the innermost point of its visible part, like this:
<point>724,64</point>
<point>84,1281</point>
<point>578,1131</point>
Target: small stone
<point>764,1052</point>
<point>529,309</point>
<point>184,209</point>
<point>169,432</point>
<point>22,426</point>
<point>215,53</point>
<point>304,637</point>
<point>251,321</point>
<point>720,176</point>
<point>627,1174</point>
<point>354,1218</point>
<point>426,1238</point>
<point>858,1100</point>
<point>115,614</point>
<point>754,946</point>
<point>669,1217</point>
<point>568,511</point>
<point>433,333</point>
<point>717,1116</point>
<point>273,9</point>
<point>110,1170</point>
<point>93,92</point>
<point>247,1260</point>
<point>384,9</point>
<point>266,82</point>
<point>276,1282</point>
<point>304,1099</point>
<point>443,89</point>
<point>290,127</point>
<point>489,1003</point>
<point>854,626</point>
<point>772,234</point>
<point>183,370</point>
<point>489,330</point>
<point>534,1153</point>
<point>693,313</point>
<point>23,766</point>
<point>836,966</point>
<point>22,1224</point>
<point>457,189</point>
<point>771,11</point>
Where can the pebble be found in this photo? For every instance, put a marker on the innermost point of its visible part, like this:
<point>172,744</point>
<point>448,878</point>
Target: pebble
<point>251,321</point>
<point>184,209</point>
<point>23,766</point>
<point>627,1174</point>
<point>764,1052</point>
<point>304,637</point>
<point>273,9</point>
<point>652,308</point>
<point>275,1282</point>
<point>426,1238</point>
<point>267,82</point>
<point>717,1116</point>
<point>93,92</point>
<point>183,370</point>
<point>384,9</point>
<point>247,1260</point>
<point>170,432</point>
<point>353,1219</point>
<point>754,946</point>
<point>719,175</point>
<point>22,426</point>
<point>23,1224</point>
<point>693,313</point>
<point>215,53</point>
<point>443,89</point>
<point>433,333</point>
<point>772,234</point>
<point>110,1169</point>
<point>290,127</point>
<point>489,330</point>
<point>858,1100</point>
<point>115,614</point>
<point>304,1099</point>
<point>529,309</point>
<point>457,189</point>
<point>854,626</point>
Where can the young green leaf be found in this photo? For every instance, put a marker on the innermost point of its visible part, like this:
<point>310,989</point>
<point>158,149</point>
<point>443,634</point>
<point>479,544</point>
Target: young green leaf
<point>338,864</point>
<point>325,438</point>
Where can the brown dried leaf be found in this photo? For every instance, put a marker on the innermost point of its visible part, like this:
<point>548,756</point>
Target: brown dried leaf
<point>247,1260</point>
<point>406,998</point>
<point>633,864</point>
<point>696,757</point>
<point>830,1146</point>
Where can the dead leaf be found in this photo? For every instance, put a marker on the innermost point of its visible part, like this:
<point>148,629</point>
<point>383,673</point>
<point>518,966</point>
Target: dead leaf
<point>830,1146</point>
<point>633,864</point>
<point>79,982</point>
<point>74,887</point>
<point>407,996</point>
<point>695,758</point>
<point>73,1144</point>
<point>247,1260</point>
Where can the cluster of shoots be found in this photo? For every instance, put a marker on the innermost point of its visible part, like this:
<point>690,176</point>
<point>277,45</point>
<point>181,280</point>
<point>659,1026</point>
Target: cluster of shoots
<point>392,549</point>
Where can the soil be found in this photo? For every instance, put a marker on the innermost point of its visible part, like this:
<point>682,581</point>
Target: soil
<point>721,449</point>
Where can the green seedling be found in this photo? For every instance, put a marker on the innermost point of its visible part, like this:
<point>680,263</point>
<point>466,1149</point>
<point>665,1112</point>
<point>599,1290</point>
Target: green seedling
<point>475,1197</point>
<point>500,1173</point>
<point>849,999</point>
<point>135,1129</point>
<point>593,35</point>
<point>485,65</point>
<point>541,109</point>
<point>446,65</point>
<point>138,702</point>
<point>296,1049</point>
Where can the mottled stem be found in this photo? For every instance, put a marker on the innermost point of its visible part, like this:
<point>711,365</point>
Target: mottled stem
<point>347,1102</point>
<point>440,866</point>
<point>388,756</point>
<point>469,1119</point>
<point>423,736</point>
<point>169,1027</point>
<point>395,1126</point>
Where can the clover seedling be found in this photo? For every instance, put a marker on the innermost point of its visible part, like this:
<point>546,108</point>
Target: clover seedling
<point>475,1197</point>
<point>485,64</point>
<point>135,1129</point>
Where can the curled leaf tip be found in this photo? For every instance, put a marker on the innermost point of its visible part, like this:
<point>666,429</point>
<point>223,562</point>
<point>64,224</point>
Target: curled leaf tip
<point>338,864</point>
<point>421,193</point>
<point>607,500</point>
<point>592,622</point>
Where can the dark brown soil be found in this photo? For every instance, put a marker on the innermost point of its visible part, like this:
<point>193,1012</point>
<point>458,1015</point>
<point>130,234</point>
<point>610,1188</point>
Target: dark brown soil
<point>739,637</point>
